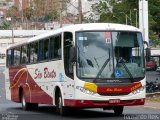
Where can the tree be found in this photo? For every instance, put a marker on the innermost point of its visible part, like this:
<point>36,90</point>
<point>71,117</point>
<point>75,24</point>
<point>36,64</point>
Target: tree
<point>28,13</point>
<point>12,12</point>
<point>46,9</point>
<point>5,25</point>
<point>116,11</point>
<point>52,15</point>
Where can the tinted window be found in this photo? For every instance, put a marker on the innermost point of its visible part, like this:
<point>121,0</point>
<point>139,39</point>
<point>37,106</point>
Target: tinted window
<point>17,52</point>
<point>33,50</point>
<point>46,49</point>
<point>43,50</point>
<point>55,47</point>
<point>52,47</point>
<point>24,55</point>
<point>9,58</point>
<point>68,54</point>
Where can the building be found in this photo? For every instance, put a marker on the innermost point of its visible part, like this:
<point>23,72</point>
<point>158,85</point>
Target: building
<point>22,4</point>
<point>4,6</point>
<point>19,35</point>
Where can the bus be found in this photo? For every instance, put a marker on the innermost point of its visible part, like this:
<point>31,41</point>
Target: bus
<point>96,65</point>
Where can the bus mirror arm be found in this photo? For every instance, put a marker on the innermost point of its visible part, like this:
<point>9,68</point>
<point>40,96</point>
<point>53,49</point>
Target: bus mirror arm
<point>146,43</point>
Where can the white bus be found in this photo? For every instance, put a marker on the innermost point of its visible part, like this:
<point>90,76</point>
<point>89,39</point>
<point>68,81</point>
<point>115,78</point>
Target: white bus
<point>80,66</point>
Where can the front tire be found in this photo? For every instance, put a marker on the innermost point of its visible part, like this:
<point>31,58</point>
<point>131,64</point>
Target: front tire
<point>60,109</point>
<point>25,105</point>
<point>118,110</point>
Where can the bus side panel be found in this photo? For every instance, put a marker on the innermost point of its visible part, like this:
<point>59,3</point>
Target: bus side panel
<point>20,77</point>
<point>38,95</point>
<point>7,84</point>
<point>17,77</point>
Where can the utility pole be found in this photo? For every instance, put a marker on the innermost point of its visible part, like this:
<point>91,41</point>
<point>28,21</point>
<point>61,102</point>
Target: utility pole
<point>143,19</point>
<point>136,17</point>
<point>130,18</point>
<point>12,30</point>
<point>21,9</point>
<point>60,17</point>
<point>126,19</point>
<point>80,11</point>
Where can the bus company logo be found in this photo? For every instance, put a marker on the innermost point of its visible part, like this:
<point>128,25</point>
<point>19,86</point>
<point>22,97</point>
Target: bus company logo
<point>114,90</point>
<point>45,74</point>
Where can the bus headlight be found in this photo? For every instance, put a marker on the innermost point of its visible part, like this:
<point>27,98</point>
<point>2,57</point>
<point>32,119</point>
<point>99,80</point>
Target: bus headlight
<point>138,90</point>
<point>84,90</point>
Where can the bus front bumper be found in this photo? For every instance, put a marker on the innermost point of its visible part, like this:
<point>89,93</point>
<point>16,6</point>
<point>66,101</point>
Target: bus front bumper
<point>101,104</point>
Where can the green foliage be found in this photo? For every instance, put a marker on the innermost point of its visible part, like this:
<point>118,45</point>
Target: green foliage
<point>5,25</point>
<point>28,13</point>
<point>52,15</point>
<point>125,11</point>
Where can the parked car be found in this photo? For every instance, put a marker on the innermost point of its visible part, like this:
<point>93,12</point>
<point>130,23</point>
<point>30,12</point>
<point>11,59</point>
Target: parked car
<point>151,65</point>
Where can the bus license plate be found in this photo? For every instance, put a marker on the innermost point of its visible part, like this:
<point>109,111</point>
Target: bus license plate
<point>114,101</point>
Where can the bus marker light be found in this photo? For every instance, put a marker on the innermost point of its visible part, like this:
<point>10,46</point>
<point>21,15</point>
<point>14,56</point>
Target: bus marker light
<point>90,86</point>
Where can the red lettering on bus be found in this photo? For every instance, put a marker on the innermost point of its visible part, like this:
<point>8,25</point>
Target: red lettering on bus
<point>48,74</point>
<point>38,74</point>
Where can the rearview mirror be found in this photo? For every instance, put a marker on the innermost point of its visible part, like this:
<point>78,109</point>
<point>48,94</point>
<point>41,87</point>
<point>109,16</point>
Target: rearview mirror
<point>146,43</point>
<point>70,42</point>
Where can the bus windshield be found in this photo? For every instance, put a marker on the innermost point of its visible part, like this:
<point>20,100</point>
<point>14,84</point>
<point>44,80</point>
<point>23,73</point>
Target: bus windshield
<point>110,55</point>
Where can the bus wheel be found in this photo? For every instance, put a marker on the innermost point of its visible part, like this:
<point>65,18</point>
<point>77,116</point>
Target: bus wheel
<point>59,104</point>
<point>118,110</point>
<point>25,105</point>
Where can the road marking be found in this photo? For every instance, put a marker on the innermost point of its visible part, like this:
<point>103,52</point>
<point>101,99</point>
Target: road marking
<point>151,107</point>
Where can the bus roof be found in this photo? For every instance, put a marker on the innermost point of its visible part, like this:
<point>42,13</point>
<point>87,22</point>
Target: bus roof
<point>80,27</point>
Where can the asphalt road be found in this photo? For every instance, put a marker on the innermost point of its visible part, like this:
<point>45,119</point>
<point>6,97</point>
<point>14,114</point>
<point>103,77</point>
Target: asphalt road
<point>14,112</point>
<point>152,75</point>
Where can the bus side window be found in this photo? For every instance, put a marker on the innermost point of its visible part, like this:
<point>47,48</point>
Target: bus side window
<point>43,50</point>
<point>55,47</point>
<point>52,48</point>
<point>40,56</point>
<point>24,59</point>
<point>28,53</point>
<point>68,54</point>
<point>46,49</point>
<point>9,57</point>
<point>33,52</point>
<point>17,52</point>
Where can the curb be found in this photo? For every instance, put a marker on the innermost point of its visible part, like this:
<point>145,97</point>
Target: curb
<point>153,94</point>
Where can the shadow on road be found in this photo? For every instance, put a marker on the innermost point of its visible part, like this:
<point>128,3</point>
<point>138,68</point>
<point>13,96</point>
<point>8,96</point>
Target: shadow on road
<point>50,112</point>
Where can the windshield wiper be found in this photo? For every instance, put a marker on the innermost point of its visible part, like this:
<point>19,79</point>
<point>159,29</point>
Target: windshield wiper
<point>121,60</point>
<point>102,68</point>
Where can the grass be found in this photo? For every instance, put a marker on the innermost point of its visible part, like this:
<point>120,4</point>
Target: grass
<point>155,98</point>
